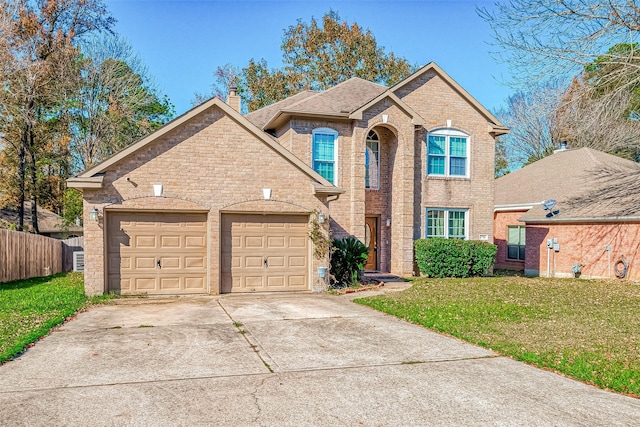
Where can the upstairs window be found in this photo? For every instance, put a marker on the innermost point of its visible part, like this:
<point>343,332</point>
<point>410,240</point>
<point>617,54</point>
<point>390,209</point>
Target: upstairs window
<point>447,223</point>
<point>324,152</point>
<point>515,242</point>
<point>372,162</point>
<point>447,153</point>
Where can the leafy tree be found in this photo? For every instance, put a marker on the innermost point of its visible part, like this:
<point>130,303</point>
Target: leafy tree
<point>72,206</point>
<point>316,56</point>
<point>501,166</point>
<point>37,46</point>
<point>115,104</point>
<point>321,56</point>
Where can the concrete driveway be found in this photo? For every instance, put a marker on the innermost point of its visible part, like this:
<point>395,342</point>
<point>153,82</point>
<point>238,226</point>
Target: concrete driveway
<point>276,360</point>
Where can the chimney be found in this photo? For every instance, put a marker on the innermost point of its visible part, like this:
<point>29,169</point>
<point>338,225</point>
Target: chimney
<point>233,100</point>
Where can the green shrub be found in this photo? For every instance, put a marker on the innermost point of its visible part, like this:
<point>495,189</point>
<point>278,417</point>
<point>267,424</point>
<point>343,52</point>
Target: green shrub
<point>438,257</point>
<point>348,257</point>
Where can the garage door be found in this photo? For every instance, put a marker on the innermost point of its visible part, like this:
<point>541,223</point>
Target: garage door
<point>157,253</point>
<point>264,253</point>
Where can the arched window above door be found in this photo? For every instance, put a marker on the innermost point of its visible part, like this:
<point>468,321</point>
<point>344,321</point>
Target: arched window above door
<point>372,161</point>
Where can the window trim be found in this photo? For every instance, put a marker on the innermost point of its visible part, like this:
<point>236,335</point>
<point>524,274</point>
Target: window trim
<point>448,133</point>
<point>366,147</point>
<point>446,221</point>
<point>334,133</point>
<point>524,244</point>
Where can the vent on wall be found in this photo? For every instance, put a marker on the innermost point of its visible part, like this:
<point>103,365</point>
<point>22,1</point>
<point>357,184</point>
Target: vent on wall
<point>78,261</point>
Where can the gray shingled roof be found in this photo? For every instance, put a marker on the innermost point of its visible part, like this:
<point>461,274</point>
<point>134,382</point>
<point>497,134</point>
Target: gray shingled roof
<point>339,100</point>
<point>342,98</point>
<point>262,116</point>
<point>586,183</point>
<point>48,222</point>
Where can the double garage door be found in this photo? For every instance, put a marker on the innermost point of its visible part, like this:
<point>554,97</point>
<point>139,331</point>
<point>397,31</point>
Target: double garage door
<point>166,253</point>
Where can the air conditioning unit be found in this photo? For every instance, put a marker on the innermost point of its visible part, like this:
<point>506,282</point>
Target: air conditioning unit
<point>78,261</point>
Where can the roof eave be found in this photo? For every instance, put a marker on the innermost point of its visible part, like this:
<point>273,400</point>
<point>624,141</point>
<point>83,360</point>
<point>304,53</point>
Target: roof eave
<point>327,190</point>
<point>416,119</point>
<point>599,219</point>
<point>86,182</point>
<point>283,116</point>
<point>513,207</point>
<point>497,130</point>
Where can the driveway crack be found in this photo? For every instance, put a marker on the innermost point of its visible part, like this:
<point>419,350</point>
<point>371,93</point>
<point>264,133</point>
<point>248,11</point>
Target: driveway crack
<point>256,400</point>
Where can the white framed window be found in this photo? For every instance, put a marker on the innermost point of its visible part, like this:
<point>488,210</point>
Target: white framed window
<point>372,162</point>
<point>447,223</point>
<point>325,153</point>
<point>447,153</point>
<point>516,239</point>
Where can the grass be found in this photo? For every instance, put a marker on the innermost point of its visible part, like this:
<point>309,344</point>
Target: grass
<point>30,308</point>
<point>586,329</point>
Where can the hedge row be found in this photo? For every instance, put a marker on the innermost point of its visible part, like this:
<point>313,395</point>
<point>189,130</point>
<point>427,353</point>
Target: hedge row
<point>438,257</point>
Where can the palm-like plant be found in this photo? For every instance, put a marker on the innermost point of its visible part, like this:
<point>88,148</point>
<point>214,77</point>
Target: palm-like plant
<point>348,257</point>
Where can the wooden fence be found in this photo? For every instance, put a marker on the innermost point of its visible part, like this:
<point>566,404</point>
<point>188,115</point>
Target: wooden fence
<point>26,255</point>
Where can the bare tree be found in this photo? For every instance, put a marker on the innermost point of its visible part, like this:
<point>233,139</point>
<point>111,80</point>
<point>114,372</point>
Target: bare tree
<point>601,122</point>
<point>559,38</point>
<point>225,77</point>
<point>531,117</point>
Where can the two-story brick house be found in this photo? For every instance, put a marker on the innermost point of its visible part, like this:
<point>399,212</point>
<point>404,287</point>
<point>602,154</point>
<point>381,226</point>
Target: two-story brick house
<point>233,194</point>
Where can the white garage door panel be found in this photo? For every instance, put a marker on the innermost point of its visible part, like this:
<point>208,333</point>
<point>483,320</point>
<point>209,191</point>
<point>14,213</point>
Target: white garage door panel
<point>264,253</point>
<point>157,253</point>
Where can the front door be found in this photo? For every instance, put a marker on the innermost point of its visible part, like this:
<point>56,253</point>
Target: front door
<point>371,240</point>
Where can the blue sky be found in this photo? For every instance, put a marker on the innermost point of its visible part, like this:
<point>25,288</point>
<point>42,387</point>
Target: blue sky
<point>182,42</point>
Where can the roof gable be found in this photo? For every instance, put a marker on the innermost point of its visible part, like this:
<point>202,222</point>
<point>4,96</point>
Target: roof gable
<point>336,102</point>
<point>416,119</point>
<point>91,178</point>
<point>496,125</point>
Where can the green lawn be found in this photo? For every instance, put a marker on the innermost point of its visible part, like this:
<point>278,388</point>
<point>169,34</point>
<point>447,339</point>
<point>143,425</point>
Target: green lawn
<point>586,329</point>
<point>30,308</point>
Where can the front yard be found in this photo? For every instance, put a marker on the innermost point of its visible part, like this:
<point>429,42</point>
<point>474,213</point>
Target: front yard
<point>589,330</point>
<point>30,308</point>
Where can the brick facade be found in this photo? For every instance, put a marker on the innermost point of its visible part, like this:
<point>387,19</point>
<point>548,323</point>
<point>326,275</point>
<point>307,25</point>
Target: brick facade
<point>215,162</point>
<point>203,165</point>
<point>405,191</point>
<point>501,221</point>
<point>583,244</point>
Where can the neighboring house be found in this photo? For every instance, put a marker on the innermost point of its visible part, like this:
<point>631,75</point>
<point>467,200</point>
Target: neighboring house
<point>598,223</point>
<point>50,224</point>
<point>234,194</point>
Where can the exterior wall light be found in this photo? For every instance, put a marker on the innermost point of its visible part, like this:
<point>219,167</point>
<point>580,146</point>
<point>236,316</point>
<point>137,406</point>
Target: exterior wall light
<point>94,215</point>
<point>388,222</point>
<point>321,217</point>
